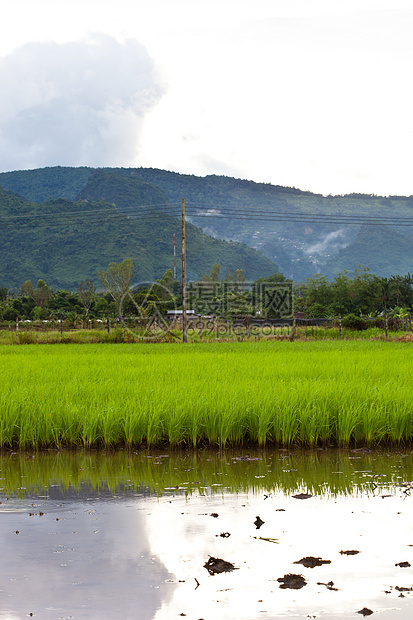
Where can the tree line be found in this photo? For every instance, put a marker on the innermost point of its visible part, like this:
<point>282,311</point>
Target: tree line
<point>362,295</point>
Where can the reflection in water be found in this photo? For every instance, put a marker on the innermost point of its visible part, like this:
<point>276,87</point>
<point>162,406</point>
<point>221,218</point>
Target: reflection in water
<point>83,560</point>
<point>126,535</point>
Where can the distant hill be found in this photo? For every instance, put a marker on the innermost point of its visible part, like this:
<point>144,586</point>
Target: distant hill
<point>43,184</point>
<point>89,233</point>
<point>300,249</point>
<point>377,247</point>
<point>125,192</point>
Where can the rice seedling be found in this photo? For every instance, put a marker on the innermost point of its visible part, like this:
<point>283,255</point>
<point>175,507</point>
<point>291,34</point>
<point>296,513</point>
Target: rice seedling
<point>301,393</point>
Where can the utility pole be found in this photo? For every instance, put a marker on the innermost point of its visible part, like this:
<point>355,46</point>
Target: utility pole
<point>184,317</point>
<point>174,257</point>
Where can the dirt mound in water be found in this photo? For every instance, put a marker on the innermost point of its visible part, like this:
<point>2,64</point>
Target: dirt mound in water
<point>216,565</point>
<point>311,562</point>
<point>294,582</point>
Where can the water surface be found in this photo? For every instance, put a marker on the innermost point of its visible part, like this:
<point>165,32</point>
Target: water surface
<point>126,535</point>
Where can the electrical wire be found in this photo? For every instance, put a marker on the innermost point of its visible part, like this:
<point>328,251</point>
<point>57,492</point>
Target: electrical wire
<point>68,213</point>
<point>193,212</point>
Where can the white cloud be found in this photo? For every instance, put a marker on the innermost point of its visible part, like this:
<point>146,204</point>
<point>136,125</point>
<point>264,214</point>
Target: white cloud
<point>314,95</point>
<point>312,98</point>
<point>331,243</point>
<point>79,103</point>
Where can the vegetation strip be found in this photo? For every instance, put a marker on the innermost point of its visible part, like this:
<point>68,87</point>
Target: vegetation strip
<point>306,394</point>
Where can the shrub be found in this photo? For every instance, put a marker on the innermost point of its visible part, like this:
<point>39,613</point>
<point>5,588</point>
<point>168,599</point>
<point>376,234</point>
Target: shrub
<point>317,311</point>
<point>351,321</point>
<point>27,338</point>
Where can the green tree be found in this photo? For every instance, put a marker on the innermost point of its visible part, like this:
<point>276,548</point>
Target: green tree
<point>215,271</point>
<point>273,278</point>
<point>239,279</point>
<point>14,310</point>
<point>26,289</point>
<point>167,279</point>
<point>63,302</point>
<point>101,307</point>
<point>86,293</point>
<point>316,293</point>
<point>165,286</point>
<point>38,313</point>
<point>117,278</point>
<point>341,302</point>
<point>400,291</point>
<point>41,294</point>
<point>366,291</point>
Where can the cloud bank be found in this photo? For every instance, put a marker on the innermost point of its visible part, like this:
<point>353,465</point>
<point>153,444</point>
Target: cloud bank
<point>80,103</point>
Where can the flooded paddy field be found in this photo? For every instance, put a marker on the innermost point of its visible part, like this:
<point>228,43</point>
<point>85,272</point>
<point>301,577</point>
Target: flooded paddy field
<point>234,534</point>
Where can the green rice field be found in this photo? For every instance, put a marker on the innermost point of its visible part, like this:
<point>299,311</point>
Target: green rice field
<point>284,393</point>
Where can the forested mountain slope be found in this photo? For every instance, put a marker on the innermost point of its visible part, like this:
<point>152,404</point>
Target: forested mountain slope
<point>299,247</point>
<point>63,242</point>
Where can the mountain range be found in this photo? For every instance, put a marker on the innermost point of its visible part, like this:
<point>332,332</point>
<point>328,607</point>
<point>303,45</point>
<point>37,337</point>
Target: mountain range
<point>64,241</point>
<point>134,213</point>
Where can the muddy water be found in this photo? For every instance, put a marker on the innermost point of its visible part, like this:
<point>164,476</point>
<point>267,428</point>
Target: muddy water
<point>128,535</point>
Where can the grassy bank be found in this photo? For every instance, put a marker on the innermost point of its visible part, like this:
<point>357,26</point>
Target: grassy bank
<point>213,331</point>
<point>301,393</point>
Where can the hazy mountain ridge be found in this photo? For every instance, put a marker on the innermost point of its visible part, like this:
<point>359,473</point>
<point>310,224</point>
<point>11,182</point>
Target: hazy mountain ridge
<point>300,249</point>
<point>64,250</point>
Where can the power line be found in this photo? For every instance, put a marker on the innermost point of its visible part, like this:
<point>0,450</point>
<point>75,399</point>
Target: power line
<point>166,210</point>
<point>243,212</point>
<point>75,222</point>
<point>290,214</point>
<point>312,220</point>
<point>38,220</point>
<point>92,211</point>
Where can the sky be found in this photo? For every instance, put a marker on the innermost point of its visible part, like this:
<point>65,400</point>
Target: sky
<point>313,94</point>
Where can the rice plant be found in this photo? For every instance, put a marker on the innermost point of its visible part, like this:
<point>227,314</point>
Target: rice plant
<point>283,393</point>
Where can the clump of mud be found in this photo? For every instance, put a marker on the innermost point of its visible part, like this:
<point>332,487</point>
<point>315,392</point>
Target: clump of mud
<point>291,581</point>
<point>216,565</point>
<point>258,522</point>
<point>350,552</point>
<point>311,562</point>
